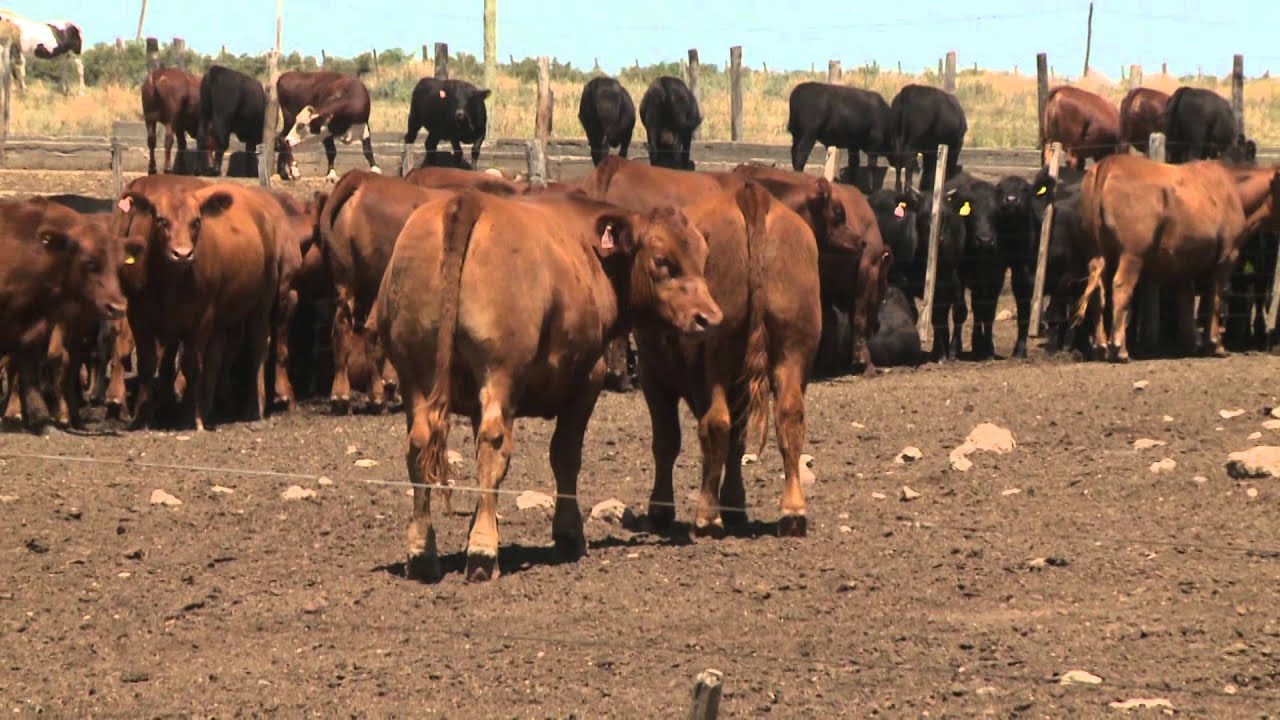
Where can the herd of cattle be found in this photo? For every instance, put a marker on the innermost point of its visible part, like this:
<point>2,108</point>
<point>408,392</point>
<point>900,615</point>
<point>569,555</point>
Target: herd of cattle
<point>466,292</point>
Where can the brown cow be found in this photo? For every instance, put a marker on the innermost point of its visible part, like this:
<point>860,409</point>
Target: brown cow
<point>54,265</point>
<point>359,224</point>
<point>1087,125</point>
<point>170,97</point>
<point>1180,225</point>
<point>529,345</point>
<point>448,178</point>
<point>297,236</point>
<point>853,279</point>
<point>1141,113</point>
<point>212,276</point>
<point>763,272</point>
<point>326,105</point>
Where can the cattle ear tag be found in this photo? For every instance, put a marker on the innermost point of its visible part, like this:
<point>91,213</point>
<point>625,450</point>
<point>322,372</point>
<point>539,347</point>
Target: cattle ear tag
<point>125,204</point>
<point>1042,190</point>
<point>964,209</point>
<point>130,260</point>
<point>900,211</point>
<point>606,238</point>
<point>442,94</point>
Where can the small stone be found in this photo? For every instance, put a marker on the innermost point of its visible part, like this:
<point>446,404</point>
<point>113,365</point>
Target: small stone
<point>909,453</point>
<point>1200,479</point>
<point>1230,689</point>
<point>960,459</point>
<point>1228,414</point>
<point>297,492</point>
<point>1141,385</point>
<point>1148,443</point>
<point>842,516</point>
<point>1136,703</point>
<point>531,499</point>
<point>314,607</point>
<point>1254,436</point>
<point>124,575</point>
<point>613,511</point>
<point>134,676</point>
<point>182,438</point>
<point>1271,424</point>
<point>1251,492</point>
<point>74,513</point>
<point>1258,462</point>
<point>858,426</point>
<point>1004,315</point>
<point>366,463</point>
<point>1168,418</point>
<point>1010,491</point>
<point>989,437</point>
<point>846,529</point>
<point>37,546</point>
<point>352,449</point>
<point>807,476</point>
<point>908,494</point>
<point>454,457</point>
<point>6,499</point>
<point>324,480</point>
<point>1037,563</point>
<point>1072,677</point>
<point>879,495</point>
<point>750,458</point>
<point>160,497</point>
<point>1165,465</point>
<point>134,554</point>
<point>1275,412</point>
<point>221,490</point>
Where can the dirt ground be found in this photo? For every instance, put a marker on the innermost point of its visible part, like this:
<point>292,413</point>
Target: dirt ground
<point>1068,553</point>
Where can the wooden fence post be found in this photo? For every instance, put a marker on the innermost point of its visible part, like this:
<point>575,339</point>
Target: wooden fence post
<point>949,76</point>
<point>1150,315</point>
<point>1237,91</point>
<point>1042,255</point>
<point>178,49</point>
<point>695,85</point>
<point>324,59</point>
<point>1088,42</point>
<point>406,159</point>
<point>442,61</point>
<point>832,163</point>
<point>537,150</point>
<point>117,162</point>
<point>490,44</point>
<point>153,54</point>
<point>735,93</point>
<point>1135,76</point>
<point>270,124</point>
<point>373,53</point>
<point>924,325</point>
<point>706,695</point>
<point>5,90</point>
<point>1042,93</point>
<point>834,73</point>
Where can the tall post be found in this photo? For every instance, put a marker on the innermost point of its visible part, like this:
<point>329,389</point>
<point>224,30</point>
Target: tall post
<point>271,120</point>
<point>834,73</point>
<point>1150,303</point>
<point>142,18</point>
<point>735,93</point>
<point>949,74</point>
<point>178,48</point>
<point>924,326</point>
<point>707,688</point>
<point>1135,76</point>
<point>5,83</point>
<point>1237,92</point>
<point>1042,255</point>
<point>490,44</point>
<point>832,163</point>
<point>1088,41</point>
<point>695,84</point>
<point>541,126</point>
<point>1042,92</point>
<point>373,55</point>
<point>153,54</point>
<point>442,61</point>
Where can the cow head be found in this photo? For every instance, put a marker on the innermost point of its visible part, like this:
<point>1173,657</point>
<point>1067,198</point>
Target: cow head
<point>831,221</point>
<point>1012,197</point>
<point>69,39</point>
<point>668,257</point>
<point>91,256</point>
<point>464,104</point>
<point>177,220</point>
<point>974,204</point>
<point>1242,151</point>
<point>896,213</point>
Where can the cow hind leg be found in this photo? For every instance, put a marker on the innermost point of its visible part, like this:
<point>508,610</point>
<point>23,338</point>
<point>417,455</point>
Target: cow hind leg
<point>1023,285</point>
<point>566,463</point>
<point>713,436</point>
<point>788,390</point>
<point>342,337</point>
<point>288,304</point>
<point>423,562</point>
<point>493,456</point>
<point>151,146</point>
<point>664,420</point>
<point>1128,270</point>
<point>168,148</point>
<point>122,348</point>
<point>331,157</point>
<point>733,492</point>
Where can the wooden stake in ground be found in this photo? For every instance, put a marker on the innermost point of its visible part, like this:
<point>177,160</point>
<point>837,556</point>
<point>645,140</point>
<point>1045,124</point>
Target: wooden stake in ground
<point>271,121</point>
<point>1151,289</point>
<point>706,695</point>
<point>735,93</point>
<point>1088,41</point>
<point>142,18</point>
<point>924,325</point>
<point>695,85</point>
<point>1042,255</point>
<point>5,85</point>
<point>490,44</point>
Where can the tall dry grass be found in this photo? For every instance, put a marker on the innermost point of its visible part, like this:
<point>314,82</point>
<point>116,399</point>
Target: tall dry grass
<point>1001,106</point>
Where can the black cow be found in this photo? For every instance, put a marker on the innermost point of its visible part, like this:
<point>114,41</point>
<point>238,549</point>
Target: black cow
<point>607,115</point>
<point>843,117</point>
<point>896,342</point>
<point>450,110</point>
<point>1246,324</point>
<point>923,118</point>
<point>981,269</point>
<point>1199,124</point>
<point>230,102</point>
<point>670,114</point>
<point>1065,271</point>
<point>83,204</point>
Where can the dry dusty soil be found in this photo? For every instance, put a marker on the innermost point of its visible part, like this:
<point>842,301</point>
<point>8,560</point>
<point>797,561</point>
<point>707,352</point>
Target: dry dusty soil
<point>973,599</point>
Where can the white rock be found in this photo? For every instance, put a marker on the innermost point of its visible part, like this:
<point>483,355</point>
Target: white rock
<point>1275,412</point>
<point>846,529</point>
<point>221,490</point>
<point>1251,492</point>
<point>1148,443</point>
<point>455,457</point>
<point>1200,479</point>
<point>352,449</point>
<point>1271,425</point>
<point>6,499</point>
<point>1165,465</point>
<point>297,492</point>
<point>1003,315</point>
<point>878,495</point>
<point>1258,462</point>
<point>908,494</point>
<point>989,437</point>
<point>859,426</point>
<point>806,460</point>
<point>1228,414</point>
<point>1010,491</point>
<point>1168,418</point>
<point>1072,677</point>
<point>323,480</point>
<point>531,499</point>
<point>182,438</point>
<point>160,497</point>
<point>960,458</point>
<point>1255,436</point>
<point>1137,703</point>
<point>1141,385</point>
<point>612,510</point>
<point>909,453</point>
<point>366,463</point>
<point>750,458</point>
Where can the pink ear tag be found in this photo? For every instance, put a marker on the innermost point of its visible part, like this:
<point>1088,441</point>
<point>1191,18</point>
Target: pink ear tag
<point>606,238</point>
<point>442,94</point>
<point>125,204</point>
<point>899,212</point>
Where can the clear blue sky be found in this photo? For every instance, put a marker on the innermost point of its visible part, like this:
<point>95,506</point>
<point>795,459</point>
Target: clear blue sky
<point>785,34</point>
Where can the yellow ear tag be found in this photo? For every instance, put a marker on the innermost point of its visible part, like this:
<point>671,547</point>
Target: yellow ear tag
<point>964,209</point>
<point>1042,190</point>
<point>130,260</point>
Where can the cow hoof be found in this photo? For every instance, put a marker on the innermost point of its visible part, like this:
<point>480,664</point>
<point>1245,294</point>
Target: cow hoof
<point>659,519</point>
<point>733,516</point>
<point>375,170</point>
<point>570,546</point>
<point>482,568</point>
<point>794,526</point>
<point>423,568</point>
<point>1220,352</point>
<point>703,529</point>
<point>340,405</point>
<point>115,410</point>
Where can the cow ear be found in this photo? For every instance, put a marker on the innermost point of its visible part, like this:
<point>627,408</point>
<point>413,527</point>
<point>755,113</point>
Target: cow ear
<point>614,233</point>
<point>216,204</point>
<point>131,201</point>
<point>58,242</point>
<point>483,94</point>
<point>824,188</point>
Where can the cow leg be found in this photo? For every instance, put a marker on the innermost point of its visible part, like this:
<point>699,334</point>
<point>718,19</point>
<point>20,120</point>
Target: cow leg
<point>624,146</point>
<point>941,328</point>
<point>959,314</point>
<point>151,146</point>
<point>493,456</point>
<point>713,436</point>
<point>430,146</point>
<point>287,305</point>
<point>121,349</point>
<point>180,161</point>
<point>475,152</point>
<point>144,405</point>
<point>617,377</point>
<point>801,148</point>
<point>1128,271</point>
<point>566,463</point>
<point>1022,278</point>
<point>1221,276</point>
<point>342,337</point>
<point>258,337</point>
<point>1185,295</point>
<point>64,376</point>
<point>35,413</point>
<point>423,563</point>
<point>733,492</point>
<point>331,156</point>
<point>168,148</point>
<point>13,397</point>
<point>930,169</point>
<point>788,379</point>
<point>686,147</point>
<point>664,421</point>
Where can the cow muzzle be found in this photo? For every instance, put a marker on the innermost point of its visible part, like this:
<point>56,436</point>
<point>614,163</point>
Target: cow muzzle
<point>182,255</point>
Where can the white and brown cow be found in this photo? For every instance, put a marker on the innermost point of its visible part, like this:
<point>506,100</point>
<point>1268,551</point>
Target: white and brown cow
<point>44,40</point>
<point>323,105</point>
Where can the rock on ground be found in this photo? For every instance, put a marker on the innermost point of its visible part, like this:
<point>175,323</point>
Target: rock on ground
<point>1258,462</point>
<point>614,511</point>
<point>909,453</point>
<point>530,499</point>
<point>160,497</point>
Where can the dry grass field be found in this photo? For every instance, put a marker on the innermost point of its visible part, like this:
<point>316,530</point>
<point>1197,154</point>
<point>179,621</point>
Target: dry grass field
<point>1001,106</point>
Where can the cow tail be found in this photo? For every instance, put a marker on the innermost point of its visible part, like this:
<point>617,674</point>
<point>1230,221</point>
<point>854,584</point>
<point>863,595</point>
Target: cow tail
<point>597,183</point>
<point>753,201</point>
<point>342,193</point>
<point>460,218</point>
